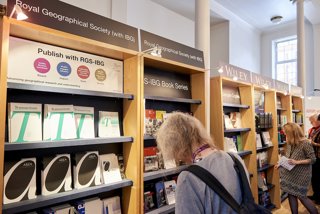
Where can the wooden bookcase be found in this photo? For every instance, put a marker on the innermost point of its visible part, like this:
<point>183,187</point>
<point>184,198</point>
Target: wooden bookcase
<point>297,107</point>
<point>129,104</point>
<point>247,133</point>
<point>196,105</point>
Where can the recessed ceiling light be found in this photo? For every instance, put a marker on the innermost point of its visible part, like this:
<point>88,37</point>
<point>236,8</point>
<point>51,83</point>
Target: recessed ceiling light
<point>276,19</point>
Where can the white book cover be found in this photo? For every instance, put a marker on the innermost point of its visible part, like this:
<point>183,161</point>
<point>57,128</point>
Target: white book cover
<point>25,122</point>
<point>227,122</point>
<point>110,168</point>
<point>229,145</point>
<point>91,205</point>
<point>235,118</point>
<point>169,164</point>
<point>59,122</point>
<point>170,190</point>
<point>109,125</point>
<point>283,161</point>
<point>84,121</point>
<point>112,205</point>
<point>258,140</point>
<point>266,138</point>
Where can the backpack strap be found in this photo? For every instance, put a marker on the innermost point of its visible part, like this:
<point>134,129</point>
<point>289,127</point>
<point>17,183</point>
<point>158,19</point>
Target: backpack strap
<point>215,185</point>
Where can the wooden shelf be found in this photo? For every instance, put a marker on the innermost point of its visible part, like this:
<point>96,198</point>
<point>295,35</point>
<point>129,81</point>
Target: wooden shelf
<point>148,137</point>
<point>172,99</point>
<point>237,130</point>
<point>296,110</point>
<point>29,87</point>
<point>244,153</point>
<point>45,201</point>
<point>265,167</point>
<point>264,148</point>
<point>281,109</point>
<point>64,143</point>
<point>269,186</point>
<point>163,173</point>
<point>231,105</point>
<point>281,144</point>
<point>163,210</point>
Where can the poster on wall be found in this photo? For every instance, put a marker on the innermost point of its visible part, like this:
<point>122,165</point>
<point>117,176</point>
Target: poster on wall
<point>311,107</point>
<point>61,16</point>
<point>46,65</point>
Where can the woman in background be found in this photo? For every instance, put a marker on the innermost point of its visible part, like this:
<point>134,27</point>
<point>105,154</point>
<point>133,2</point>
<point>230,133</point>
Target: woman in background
<point>183,138</point>
<point>296,181</point>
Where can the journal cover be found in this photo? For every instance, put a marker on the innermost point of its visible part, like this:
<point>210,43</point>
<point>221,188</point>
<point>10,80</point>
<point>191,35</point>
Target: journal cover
<point>110,168</point>
<point>91,205</point>
<point>109,125</point>
<point>112,205</point>
<point>170,189</point>
<point>84,121</point>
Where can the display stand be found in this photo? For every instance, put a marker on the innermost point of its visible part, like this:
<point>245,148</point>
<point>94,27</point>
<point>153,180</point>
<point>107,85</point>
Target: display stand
<point>127,103</point>
<point>247,133</point>
<point>196,105</point>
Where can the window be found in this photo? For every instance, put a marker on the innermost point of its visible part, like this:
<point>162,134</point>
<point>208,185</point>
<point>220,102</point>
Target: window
<point>286,61</point>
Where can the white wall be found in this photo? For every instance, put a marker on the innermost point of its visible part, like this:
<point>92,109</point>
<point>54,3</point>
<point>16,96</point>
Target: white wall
<point>219,44</point>
<point>244,40</point>
<point>152,17</point>
<point>316,51</point>
<point>102,8</point>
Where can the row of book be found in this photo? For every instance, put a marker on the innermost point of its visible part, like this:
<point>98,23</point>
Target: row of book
<point>263,139</point>
<point>153,160</point>
<point>88,169</point>
<point>263,120</point>
<point>92,205</point>
<point>159,194</point>
<point>297,117</point>
<point>233,144</point>
<point>60,122</point>
<point>262,159</point>
<point>232,120</point>
<point>282,120</point>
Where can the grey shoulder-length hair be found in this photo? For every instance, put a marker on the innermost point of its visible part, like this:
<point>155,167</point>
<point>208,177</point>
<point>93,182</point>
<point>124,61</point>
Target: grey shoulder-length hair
<point>179,134</point>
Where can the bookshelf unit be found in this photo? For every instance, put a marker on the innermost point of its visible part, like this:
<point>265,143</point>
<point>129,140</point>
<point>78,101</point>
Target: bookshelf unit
<point>297,108</point>
<point>246,109</point>
<point>272,176</point>
<point>196,105</point>
<point>128,104</point>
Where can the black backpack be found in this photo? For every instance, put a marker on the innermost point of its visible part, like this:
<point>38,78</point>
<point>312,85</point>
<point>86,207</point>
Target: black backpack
<point>247,205</point>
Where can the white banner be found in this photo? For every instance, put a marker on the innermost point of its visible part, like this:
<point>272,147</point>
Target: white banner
<point>45,65</point>
<point>312,106</point>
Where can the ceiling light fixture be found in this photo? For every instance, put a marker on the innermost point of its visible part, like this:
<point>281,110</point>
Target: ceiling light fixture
<point>276,19</point>
<point>20,13</point>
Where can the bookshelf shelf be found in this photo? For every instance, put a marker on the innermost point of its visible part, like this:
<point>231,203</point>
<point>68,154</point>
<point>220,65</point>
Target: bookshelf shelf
<point>281,144</point>
<point>295,111</point>
<point>237,130</point>
<point>43,201</point>
<point>244,153</point>
<point>264,148</point>
<point>163,210</point>
<point>269,186</point>
<point>148,137</point>
<point>172,99</point>
<point>268,166</point>
<point>65,143</point>
<point>281,109</point>
<point>231,105</point>
<point>29,87</point>
<point>163,173</point>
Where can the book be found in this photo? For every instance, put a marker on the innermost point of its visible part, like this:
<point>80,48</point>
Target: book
<point>258,141</point>
<point>24,122</point>
<point>150,118</point>
<point>264,199</point>
<point>230,95</point>
<point>283,161</point>
<point>160,194</point>
<point>59,122</point>
<point>283,119</point>
<point>148,200</point>
<point>159,120</point>
<point>91,205</point>
<point>170,190</point>
<point>121,165</point>
<point>262,158</point>
<point>112,205</point>
<point>150,159</point>
<point>239,143</point>
<point>110,168</point>
<point>169,164</point>
<point>109,125</point>
<point>61,209</point>
<point>262,181</point>
<point>227,122</point>
<point>84,121</point>
<point>235,118</point>
<point>299,118</point>
<point>229,145</point>
<point>266,139</point>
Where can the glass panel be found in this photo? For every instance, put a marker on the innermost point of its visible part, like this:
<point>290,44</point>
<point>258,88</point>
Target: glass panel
<point>287,50</point>
<point>287,72</point>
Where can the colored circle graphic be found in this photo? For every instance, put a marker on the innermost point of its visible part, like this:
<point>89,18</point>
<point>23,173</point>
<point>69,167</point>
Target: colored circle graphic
<point>64,69</point>
<point>42,65</point>
<point>100,75</point>
<point>83,72</point>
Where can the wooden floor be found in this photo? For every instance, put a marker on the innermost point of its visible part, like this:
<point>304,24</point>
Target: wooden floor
<point>285,208</point>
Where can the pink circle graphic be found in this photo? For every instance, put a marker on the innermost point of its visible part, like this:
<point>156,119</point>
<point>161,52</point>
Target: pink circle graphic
<point>83,72</point>
<point>42,65</point>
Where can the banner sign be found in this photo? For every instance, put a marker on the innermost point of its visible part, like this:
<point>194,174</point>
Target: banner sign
<point>232,72</point>
<point>281,86</point>
<point>166,84</point>
<point>262,81</point>
<point>295,90</point>
<point>67,18</point>
<point>172,50</point>
<point>45,65</point>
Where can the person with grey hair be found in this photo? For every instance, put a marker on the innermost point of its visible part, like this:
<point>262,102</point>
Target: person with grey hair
<point>183,138</point>
<point>314,136</point>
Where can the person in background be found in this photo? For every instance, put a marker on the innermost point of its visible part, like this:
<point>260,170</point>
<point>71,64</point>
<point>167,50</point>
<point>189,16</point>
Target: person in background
<point>314,136</point>
<point>183,138</point>
<point>296,181</point>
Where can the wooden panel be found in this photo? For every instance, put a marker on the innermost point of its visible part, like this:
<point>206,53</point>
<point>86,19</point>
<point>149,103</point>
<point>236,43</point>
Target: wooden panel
<point>197,92</point>
<point>4,49</point>
<point>58,38</point>
<point>249,138</point>
<point>272,174</point>
<point>229,82</point>
<point>131,126</point>
<point>216,112</point>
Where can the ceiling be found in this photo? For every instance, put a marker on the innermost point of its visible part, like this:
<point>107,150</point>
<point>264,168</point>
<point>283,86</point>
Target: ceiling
<point>255,12</point>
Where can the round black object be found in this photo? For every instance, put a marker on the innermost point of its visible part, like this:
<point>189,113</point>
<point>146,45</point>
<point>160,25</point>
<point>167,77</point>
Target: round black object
<point>20,179</point>
<point>57,173</point>
<point>87,169</point>
<point>106,165</point>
